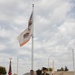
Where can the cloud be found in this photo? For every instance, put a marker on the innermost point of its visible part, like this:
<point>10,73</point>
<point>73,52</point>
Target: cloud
<point>2,47</point>
<point>54,27</point>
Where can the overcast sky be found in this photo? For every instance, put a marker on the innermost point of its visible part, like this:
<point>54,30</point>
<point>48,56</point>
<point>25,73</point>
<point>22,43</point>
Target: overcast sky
<point>54,33</point>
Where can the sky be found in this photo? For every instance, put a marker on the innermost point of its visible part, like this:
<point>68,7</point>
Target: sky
<point>54,34</point>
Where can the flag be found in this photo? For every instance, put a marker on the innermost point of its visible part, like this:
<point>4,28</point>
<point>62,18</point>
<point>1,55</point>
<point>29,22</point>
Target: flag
<point>24,37</point>
<point>10,71</point>
<point>30,21</point>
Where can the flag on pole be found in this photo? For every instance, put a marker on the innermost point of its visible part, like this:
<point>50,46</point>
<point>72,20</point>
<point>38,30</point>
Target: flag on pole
<point>10,71</point>
<point>30,21</point>
<point>25,36</point>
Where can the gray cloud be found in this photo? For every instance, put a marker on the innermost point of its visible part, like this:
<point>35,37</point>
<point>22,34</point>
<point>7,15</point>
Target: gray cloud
<point>54,37</point>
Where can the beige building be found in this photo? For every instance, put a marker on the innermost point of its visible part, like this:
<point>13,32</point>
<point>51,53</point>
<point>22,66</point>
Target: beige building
<point>58,73</point>
<point>64,73</point>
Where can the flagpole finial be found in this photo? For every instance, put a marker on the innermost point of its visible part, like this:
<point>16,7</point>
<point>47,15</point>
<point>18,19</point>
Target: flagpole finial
<point>10,59</point>
<point>32,5</point>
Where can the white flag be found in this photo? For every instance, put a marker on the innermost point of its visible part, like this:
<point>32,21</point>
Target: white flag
<point>24,37</point>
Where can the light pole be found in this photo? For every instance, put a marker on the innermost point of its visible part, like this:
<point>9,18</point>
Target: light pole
<point>73,60</point>
<point>48,64</point>
<point>17,65</point>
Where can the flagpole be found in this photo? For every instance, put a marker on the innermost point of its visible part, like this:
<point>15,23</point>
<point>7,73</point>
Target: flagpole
<point>32,57</point>
<point>10,72</point>
<point>10,59</point>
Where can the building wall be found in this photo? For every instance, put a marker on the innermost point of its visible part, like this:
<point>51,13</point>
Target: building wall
<point>64,73</point>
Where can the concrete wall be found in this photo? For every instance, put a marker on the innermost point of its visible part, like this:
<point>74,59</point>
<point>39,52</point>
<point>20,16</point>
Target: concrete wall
<point>64,73</point>
<point>58,73</point>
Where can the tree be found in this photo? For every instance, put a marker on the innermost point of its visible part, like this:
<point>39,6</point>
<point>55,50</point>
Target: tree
<point>50,69</point>
<point>63,69</point>
<point>2,70</point>
<point>58,70</point>
<point>66,69</point>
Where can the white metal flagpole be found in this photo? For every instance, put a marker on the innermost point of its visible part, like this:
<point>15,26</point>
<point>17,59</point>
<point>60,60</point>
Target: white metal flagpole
<point>32,59</point>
